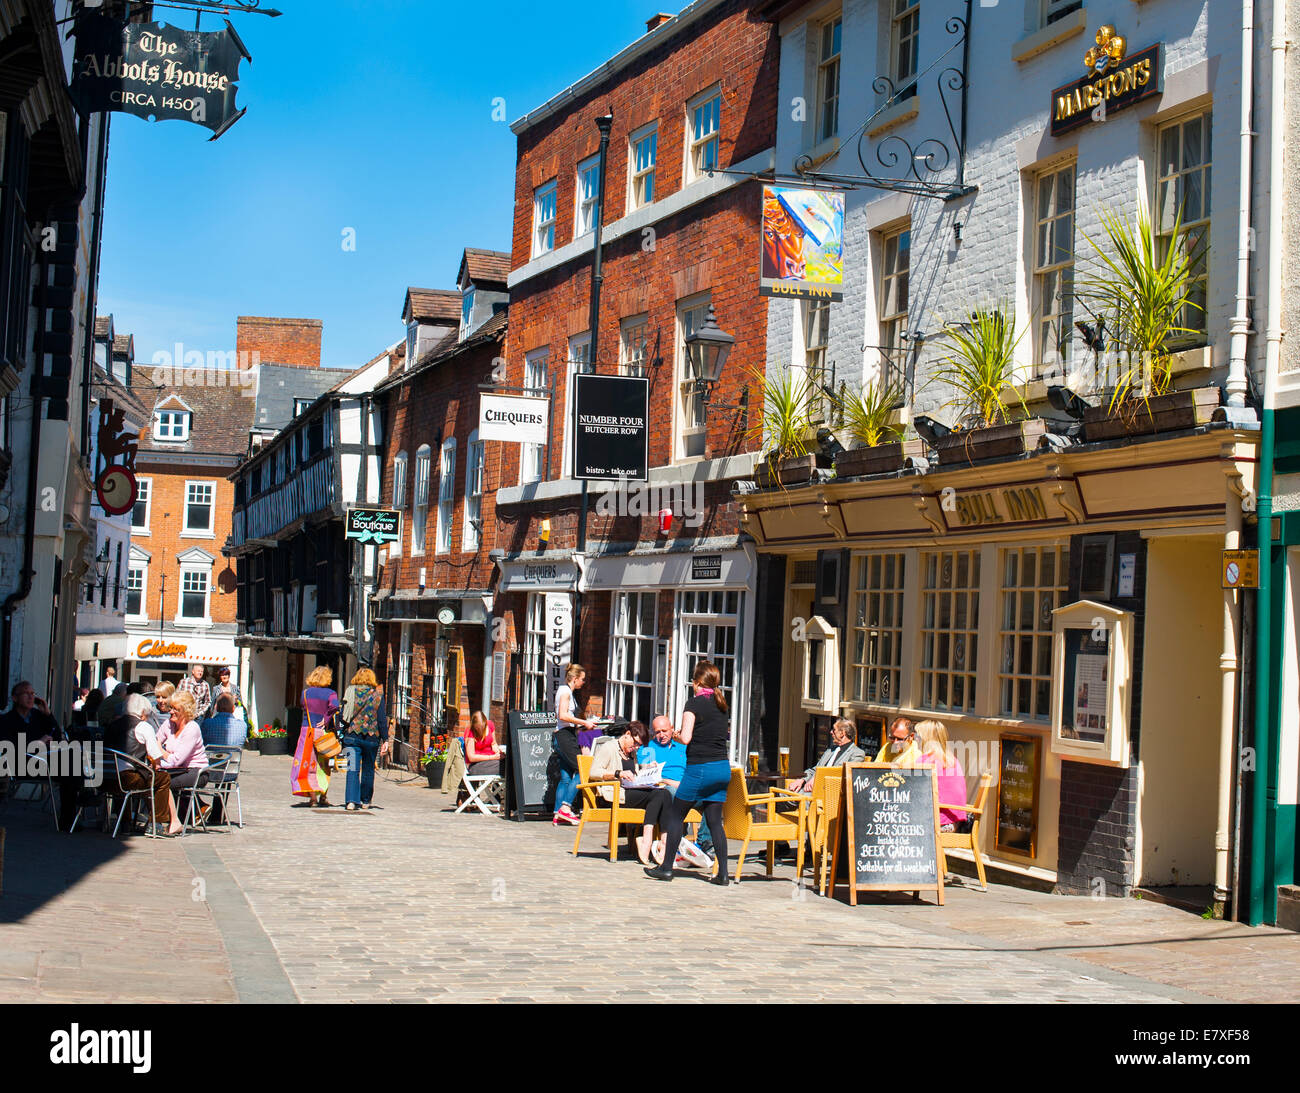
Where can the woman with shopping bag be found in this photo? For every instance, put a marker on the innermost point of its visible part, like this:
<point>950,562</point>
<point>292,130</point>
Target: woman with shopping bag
<point>317,743</point>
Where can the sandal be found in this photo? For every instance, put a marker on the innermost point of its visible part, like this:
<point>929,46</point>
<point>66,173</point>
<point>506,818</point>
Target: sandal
<point>352,807</point>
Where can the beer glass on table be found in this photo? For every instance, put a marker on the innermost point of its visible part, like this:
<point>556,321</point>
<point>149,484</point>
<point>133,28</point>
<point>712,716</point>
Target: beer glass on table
<point>753,764</point>
<point>783,762</point>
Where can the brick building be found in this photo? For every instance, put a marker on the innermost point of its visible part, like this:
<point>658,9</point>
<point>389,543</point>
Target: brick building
<point>433,601</point>
<point>694,110</point>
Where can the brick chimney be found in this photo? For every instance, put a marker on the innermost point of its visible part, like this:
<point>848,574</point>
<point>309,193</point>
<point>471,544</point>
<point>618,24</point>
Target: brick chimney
<point>278,341</point>
<point>656,21</point>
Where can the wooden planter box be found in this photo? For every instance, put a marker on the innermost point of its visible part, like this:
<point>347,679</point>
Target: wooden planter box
<point>878,459</point>
<point>994,442</point>
<point>1159,414</point>
<point>788,472</point>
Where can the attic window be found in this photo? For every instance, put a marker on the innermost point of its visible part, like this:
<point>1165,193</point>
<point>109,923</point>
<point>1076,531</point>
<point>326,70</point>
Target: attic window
<point>466,309</point>
<point>171,426</point>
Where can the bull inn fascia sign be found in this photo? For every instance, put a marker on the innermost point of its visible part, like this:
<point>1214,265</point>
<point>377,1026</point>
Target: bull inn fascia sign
<point>1114,82</point>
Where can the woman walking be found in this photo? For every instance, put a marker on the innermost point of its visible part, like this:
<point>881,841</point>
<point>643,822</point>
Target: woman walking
<point>703,730</point>
<point>366,735</point>
<point>565,742</point>
<point>309,778</point>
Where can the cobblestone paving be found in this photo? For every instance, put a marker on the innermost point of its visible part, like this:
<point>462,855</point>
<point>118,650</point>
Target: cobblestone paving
<point>412,903</point>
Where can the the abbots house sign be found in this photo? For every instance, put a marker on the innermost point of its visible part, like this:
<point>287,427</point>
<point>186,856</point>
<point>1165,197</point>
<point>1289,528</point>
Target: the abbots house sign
<point>158,72</point>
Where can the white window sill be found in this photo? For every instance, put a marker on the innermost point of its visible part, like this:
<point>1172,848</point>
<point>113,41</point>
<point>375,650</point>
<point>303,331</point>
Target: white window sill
<point>139,531</point>
<point>826,150</point>
<point>193,624</point>
<point>1031,45</point>
<point>197,535</point>
<point>898,114</point>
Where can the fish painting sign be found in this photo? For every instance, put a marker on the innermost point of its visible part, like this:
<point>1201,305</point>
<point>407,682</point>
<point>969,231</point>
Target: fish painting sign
<point>803,244</point>
<point>158,72</point>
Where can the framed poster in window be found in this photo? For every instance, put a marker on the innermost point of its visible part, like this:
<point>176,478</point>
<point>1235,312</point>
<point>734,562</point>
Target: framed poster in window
<point>1019,763</point>
<point>1092,647</point>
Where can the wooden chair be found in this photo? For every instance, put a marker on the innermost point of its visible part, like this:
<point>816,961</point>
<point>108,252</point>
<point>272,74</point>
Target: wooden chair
<point>824,823</point>
<point>740,822</point>
<point>596,809</point>
<point>957,840</point>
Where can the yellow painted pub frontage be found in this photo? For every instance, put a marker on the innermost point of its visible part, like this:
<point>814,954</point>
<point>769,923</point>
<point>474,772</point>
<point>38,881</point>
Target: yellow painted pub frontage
<point>1064,613</point>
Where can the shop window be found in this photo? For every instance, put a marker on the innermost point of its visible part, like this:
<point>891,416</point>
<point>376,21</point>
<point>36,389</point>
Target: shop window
<point>643,152</point>
<point>1183,210</point>
<point>709,629</point>
<point>1033,584</point>
<point>950,582</point>
<point>876,638</point>
<point>534,695</point>
<point>1053,287</point>
<point>630,679</point>
<point>703,125</point>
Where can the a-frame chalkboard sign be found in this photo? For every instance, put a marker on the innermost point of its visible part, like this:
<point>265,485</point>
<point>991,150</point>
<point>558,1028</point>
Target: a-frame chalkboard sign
<point>893,829</point>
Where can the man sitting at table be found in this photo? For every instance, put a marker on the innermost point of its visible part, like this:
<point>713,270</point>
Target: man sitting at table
<point>901,749</point>
<point>662,748</point>
<point>844,749</point>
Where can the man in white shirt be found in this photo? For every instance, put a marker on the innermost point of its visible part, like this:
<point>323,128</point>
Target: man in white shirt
<point>109,683</point>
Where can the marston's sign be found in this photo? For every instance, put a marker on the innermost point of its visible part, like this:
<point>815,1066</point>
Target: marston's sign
<point>155,648</point>
<point>1113,83</point>
<point>158,72</point>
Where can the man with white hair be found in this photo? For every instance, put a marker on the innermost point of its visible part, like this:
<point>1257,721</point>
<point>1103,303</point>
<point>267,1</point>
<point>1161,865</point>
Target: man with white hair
<point>141,744</point>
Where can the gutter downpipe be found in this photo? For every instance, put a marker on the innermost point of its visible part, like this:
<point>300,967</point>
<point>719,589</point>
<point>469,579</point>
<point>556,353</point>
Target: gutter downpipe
<point>1239,325</point>
<point>1262,899</point>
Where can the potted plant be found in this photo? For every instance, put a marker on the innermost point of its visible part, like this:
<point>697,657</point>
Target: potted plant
<point>434,760</point>
<point>980,368</point>
<point>275,740</point>
<point>1141,289</point>
<point>785,431</point>
<point>255,737</point>
<point>881,444</point>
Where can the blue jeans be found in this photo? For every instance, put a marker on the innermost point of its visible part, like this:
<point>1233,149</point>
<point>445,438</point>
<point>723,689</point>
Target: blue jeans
<point>566,744</point>
<point>361,767</point>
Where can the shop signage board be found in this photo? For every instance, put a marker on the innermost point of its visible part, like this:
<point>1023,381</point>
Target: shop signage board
<point>893,829</point>
<point>517,419</point>
<point>373,525</point>
<point>1114,82</point>
<point>706,567</point>
<point>530,752</point>
<point>802,244</point>
<point>1018,767</point>
<point>559,637</point>
<point>611,437</point>
<point>1241,569</point>
<point>158,72</point>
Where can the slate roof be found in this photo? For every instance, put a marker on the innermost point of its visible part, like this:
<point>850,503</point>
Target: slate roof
<point>485,268</point>
<point>103,324</point>
<point>222,418</point>
<point>448,348</point>
<point>279,384</point>
<point>432,304</point>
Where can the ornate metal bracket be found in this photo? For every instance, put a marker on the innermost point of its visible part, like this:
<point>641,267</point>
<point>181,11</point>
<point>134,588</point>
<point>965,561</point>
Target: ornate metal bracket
<point>900,164</point>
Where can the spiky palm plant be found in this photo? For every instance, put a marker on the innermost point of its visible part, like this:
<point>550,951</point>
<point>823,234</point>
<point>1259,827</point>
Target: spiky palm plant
<point>784,429</point>
<point>866,412</point>
<point>980,367</point>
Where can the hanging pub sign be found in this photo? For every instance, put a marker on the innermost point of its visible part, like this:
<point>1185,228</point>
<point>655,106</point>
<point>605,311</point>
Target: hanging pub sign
<point>519,419</point>
<point>115,487</point>
<point>373,525</point>
<point>158,72</point>
<point>1113,83</point>
<point>803,244</point>
<point>611,438</point>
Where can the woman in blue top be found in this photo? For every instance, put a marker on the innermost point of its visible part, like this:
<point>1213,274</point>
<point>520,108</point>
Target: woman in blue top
<point>704,732</point>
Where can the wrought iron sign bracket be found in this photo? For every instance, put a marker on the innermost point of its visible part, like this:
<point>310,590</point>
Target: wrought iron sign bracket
<point>901,165</point>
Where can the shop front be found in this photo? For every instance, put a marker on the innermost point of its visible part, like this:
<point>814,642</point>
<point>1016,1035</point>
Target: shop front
<point>535,602</point>
<point>1064,615</point>
<point>153,659</point>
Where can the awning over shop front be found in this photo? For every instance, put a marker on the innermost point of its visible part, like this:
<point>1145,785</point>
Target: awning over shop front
<point>102,646</point>
<point>670,569</point>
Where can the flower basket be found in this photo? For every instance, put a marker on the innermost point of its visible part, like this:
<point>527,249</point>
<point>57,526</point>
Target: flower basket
<point>433,771</point>
<point>275,745</point>
<point>990,442</point>
<point>785,472</point>
<point>253,743</point>
<point>877,459</point>
<point>1157,414</point>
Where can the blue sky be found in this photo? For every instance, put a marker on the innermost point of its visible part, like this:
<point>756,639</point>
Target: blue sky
<point>375,116</point>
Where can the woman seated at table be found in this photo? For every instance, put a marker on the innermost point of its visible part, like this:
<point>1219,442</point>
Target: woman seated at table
<point>182,741</point>
<point>481,751</point>
<point>133,733</point>
<point>936,752</point>
<point>615,761</point>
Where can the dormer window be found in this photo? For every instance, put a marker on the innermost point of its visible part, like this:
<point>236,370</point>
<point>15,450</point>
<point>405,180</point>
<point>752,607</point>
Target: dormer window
<point>412,332</point>
<point>466,310</point>
<point>171,426</point>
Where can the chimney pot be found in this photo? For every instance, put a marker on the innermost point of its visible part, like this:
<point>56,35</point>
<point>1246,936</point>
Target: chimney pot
<point>656,21</point>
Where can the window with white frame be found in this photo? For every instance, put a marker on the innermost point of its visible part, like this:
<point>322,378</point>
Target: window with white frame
<point>194,595</point>
<point>198,508</point>
<point>1183,209</point>
<point>532,457</point>
<point>398,498</point>
<point>632,355</point>
<point>895,265</point>
<point>534,669</point>
<point>1053,290</point>
<point>579,361</point>
<point>584,201</point>
<point>643,153</point>
<point>1052,10</point>
<point>876,634</point>
<point>544,219</point>
<point>703,125</point>
<point>1034,582</point>
<point>172,426</point>
<point>950,582</point>
<point>136,580</point>
<point>404,674</point>
<point>709,622</point>
<point>466,310</point>
<point>630,681</point>
<point>140,513</point>
<point>446,495</point>
<point>691,432</point>
<point>828,79</point>
<point>816,339</point>
<point>474,456</point>
<point>905,43</point>
<point>420,508</point>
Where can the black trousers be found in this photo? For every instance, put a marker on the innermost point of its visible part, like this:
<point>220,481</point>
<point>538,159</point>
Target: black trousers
<point>656,802</point>
<point>676,828</point>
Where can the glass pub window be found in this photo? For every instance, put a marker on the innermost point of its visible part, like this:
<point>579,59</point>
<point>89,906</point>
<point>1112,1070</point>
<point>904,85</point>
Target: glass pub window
<point>950,596</point>
<point>828,81</point>
<point>905,41</point>
<point>876,643</point>
<point>1033,585</point>
<point>1183,200</point>
<point>896,259</point>
<point>629,689</point>
<point>1054,268</point>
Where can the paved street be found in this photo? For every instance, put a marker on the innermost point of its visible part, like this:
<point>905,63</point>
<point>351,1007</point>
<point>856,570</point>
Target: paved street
<point>413,903</point>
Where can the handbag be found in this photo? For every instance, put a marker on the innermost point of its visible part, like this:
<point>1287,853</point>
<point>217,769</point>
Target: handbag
<point>326,742</point>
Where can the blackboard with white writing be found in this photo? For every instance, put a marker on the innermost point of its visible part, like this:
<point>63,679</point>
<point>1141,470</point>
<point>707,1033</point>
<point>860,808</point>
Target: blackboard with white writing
<point>893,826</point>
<point>530,751</point>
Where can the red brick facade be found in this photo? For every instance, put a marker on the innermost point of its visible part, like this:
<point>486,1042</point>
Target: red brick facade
<point>278,341</point>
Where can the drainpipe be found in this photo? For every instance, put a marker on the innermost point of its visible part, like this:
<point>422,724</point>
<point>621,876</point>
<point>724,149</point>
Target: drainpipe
<point>1229,667</point>
<point>1239,325</point>
<point>1262,902</point>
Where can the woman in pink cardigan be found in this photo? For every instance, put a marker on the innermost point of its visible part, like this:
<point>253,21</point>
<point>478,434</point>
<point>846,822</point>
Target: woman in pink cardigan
<point>185,759</point>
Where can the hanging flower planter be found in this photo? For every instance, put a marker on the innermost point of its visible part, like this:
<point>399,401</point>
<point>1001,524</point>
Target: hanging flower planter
<point>990,442</point>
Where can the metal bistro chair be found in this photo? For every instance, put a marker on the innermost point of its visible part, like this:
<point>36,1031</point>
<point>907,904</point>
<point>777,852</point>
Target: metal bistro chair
<point>40,784</point>
<point>226,781</point>
<point>208,786</point>
<point>117,764</point>
<point>484,789</point>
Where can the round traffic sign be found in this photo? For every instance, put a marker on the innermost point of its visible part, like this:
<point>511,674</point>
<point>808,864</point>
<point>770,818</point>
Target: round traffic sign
<point>1232,574</point>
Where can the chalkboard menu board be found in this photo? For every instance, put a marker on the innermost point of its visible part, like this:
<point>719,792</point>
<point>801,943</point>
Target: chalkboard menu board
<point>1018,794</point>
<point>530,751</point>
<point>893,826</point>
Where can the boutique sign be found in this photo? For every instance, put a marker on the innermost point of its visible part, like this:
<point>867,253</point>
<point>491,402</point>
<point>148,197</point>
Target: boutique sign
<point>158,72</point>
<point>1114,82</point>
